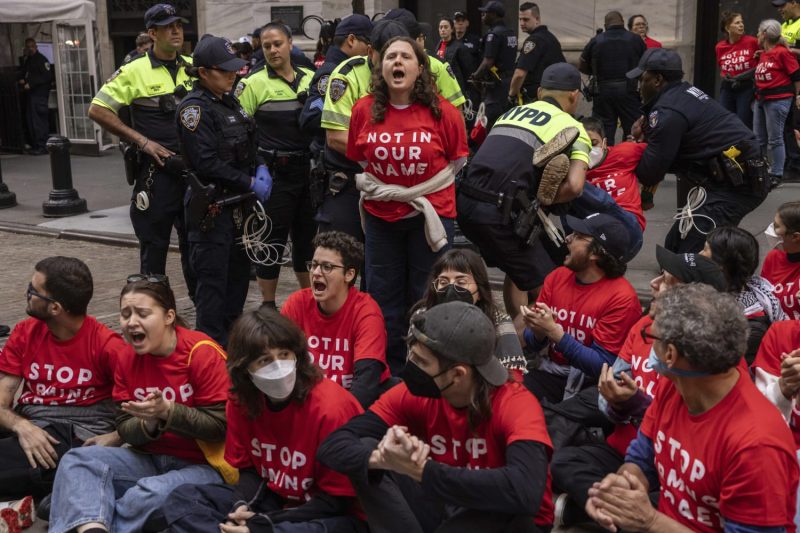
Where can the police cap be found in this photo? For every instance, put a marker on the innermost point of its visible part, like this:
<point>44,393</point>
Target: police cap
<point>779,3</point>
<point>385,30</point>
<point>161,15</point>
<point>216,52</point>
<point>354,24</point>
<point>459,15</point>
<point>407,19</point>
<point>659,59</point>
<point>493,6</point>
<point>561,77</point>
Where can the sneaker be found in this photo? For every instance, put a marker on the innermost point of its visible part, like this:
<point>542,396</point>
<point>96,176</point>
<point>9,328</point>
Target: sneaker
<point>18,515</point>
<point>775,181</point>
<point>553,175</point>
<point>560,142</point>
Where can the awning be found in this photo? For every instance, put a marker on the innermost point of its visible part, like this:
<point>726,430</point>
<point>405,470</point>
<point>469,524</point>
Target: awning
<point>22,11</point>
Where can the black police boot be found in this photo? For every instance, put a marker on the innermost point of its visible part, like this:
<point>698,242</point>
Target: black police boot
<point>43,509</point>
<point>775,181</point>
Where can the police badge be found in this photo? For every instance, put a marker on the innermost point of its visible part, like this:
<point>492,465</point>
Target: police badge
<point>190,117</point>
<point>336,89</point>
<point>322,84</point>
<point>528,47</point>
<point>239,88</point>
<point>652,119</point>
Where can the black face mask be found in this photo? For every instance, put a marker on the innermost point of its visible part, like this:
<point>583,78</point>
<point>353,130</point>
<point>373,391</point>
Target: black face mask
<point>420,383</point>
<point>451,294</point>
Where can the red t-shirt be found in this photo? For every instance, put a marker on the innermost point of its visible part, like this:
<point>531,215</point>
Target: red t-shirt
<point>785,276</point>
<point>282,445</point>
<point>781,337</point>
<point>79,371</point>
<point>651,43</point>
<point>602,312</point>
<point>774,69</point>
<point>617,176</point>
<point>516,416</point>
<point>195,382</point>
<point>336,342</point>
<point>733,59</point>
<point>736,460</point>
<point>407,148</point>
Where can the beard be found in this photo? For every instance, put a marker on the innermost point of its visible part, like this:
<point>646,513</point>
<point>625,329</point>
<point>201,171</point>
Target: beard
<point>36,313</point>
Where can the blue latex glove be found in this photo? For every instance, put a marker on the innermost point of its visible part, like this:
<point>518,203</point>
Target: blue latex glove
<point>262,183</point>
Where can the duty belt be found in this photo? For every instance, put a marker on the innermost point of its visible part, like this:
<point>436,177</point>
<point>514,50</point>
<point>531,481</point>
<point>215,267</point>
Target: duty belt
<point>281,158</point>
<point>482,195</point>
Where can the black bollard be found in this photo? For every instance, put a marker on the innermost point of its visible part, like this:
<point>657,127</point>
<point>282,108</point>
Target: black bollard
<point>7,198</point>
<point>64,200</point>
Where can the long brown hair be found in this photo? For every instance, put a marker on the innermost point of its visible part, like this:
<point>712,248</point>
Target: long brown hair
<point>252,334</point>
<point>424,90</point>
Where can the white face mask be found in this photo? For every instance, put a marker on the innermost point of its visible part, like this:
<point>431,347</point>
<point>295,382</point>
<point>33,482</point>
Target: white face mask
<point>595,156</point>
<point>773,241</point>
<point>276,379</point>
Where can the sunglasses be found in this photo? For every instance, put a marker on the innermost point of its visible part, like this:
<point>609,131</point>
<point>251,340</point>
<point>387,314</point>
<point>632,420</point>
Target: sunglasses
<point>32,292</point>
<point>152,278</point>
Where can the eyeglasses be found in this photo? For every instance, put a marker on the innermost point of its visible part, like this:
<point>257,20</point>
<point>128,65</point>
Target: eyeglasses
<point>647,335</point>
<point>460,285</point>
<point>152,278</point>
<point>326,267</point>
<point>32,292</point>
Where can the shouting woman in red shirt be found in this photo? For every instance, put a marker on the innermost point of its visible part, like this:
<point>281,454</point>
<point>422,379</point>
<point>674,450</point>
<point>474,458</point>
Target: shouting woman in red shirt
<point>736,57</point>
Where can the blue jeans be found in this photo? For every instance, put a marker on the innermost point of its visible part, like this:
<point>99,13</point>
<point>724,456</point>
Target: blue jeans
<point>768,122</point>
<point>117,487</point>
<point>738,101</point>
<point>397,265</point>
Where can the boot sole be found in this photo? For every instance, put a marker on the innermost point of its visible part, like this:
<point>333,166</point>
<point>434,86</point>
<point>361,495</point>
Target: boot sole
<point>560,142</point>
<point>553,175</point>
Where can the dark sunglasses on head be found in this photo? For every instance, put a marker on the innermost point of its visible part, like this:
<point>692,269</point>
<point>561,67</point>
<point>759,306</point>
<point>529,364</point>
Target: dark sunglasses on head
<point>152,278</point>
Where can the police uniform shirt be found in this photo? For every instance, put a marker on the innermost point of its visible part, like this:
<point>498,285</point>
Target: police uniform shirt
<point>446,81</point>
<point>790,30</point>
<point>500,44</point>
<point>275,105</point>
<point>311,115</point>
<point>472,43</point>
<point>38,72</point>
<point>148,86</point>
<point>611,54</point>
<point>506,154</point>
<point>540,50</point>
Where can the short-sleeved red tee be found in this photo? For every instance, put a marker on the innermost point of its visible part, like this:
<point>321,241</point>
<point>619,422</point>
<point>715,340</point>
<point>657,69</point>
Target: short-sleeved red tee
<point>601,312</point>
<point>194,382</point>
<point>282,445</point>
<point>407,148</point>
<point>617,176</point>
<point>516,416</point>
<point>785,277</point>
<point>735,461</point>
<point>736,58</point>
<point>79,371</point>
<point>774,70</point>
<point>336,342</point>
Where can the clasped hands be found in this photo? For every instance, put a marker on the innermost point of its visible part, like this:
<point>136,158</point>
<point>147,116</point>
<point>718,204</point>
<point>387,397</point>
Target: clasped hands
<point>621,501</point>
<point>400,452</point>
<point>542,321</point>
<point>789,381</point>
<point>153,409</point>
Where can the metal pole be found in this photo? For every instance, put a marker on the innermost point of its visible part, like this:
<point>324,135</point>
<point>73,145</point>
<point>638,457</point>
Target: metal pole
<point>64,200</point>
<point>7,198</point>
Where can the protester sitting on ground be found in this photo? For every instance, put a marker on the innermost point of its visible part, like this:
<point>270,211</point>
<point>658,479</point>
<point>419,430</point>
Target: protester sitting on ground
<point>782,265</point>
<point>736,251</point>
<point>279,411</point>
<point>344,327</point>
<point>723,457</point>
<point>65,361</point>
<point>462,448</point>
<point>460,275</point>
<point>171,386</point>
<point>626,390</point>
<point>583,312</point>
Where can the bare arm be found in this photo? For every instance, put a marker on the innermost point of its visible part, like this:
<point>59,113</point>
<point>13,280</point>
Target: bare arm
<point>8,388</point>
<point>337,140</point>
<point>109,121</point>
<point>485,65</point>
<point>516,81</point>
<point>34,441</point>
<point>572,187</point>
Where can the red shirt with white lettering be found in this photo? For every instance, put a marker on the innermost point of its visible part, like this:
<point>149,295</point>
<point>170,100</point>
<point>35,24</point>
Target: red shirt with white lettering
<point>774,70</point>
<point>738,57</point>
<point>336,342</point>
<point>785,276</point>
<point>736,460</point>
<point>79,371</point>
<point>601,312</point>
<point>616,175</point>
<point>196,381</point>
<point>282,445</point>
<point>516,416</point>
<point>407,148</point>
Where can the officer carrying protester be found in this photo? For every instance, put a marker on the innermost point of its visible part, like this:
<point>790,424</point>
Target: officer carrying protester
<point>722,175</point>
<point>152,85</point>
<point>499,57</point>
<point>218,139</point>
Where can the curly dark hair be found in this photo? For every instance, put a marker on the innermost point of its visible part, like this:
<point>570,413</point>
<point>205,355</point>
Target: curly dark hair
<point>68,281</point>
<point>736,252</point>
<point>424,90</point>
<point>252,334</point>
<point>611,266</point>
<point>347,246</point>
<point>469,262</point>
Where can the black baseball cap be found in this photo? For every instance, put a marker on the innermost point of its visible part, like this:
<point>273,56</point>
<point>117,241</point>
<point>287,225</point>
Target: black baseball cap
<point>354,24</point>
<point>459,15</point>
<point>407,19</point>
<point>462,333</point>
<point>216,52</point>
<point>257,32</point>
<point>385,30</point>
<point>161,15</point>
<point>657,59</point>
<point>611,233</point>
<point>691,268</point>
<point>779,3</point>
<point>561,77</point>
<point>493,6</point>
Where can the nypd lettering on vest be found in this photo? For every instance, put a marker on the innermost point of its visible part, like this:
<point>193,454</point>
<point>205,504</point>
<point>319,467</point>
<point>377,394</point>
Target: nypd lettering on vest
<point>534,117</point>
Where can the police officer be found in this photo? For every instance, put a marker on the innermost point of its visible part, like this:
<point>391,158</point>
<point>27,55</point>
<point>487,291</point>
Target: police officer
<point>494,198</point>
<point>143,44</point>
<point>36,79</point>
<point>499,57</point>
<point>152,85</point>
<point>540,50</point>
<point>219,143</point>
<point>707,146</point>
<point>274,95</point>
<point>469,40</point>
<point>790,30</point>
<point>607,57</point>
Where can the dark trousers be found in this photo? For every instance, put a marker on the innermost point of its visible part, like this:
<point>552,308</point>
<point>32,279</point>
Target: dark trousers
<point>613,104</point>
<point>290,210</point>
<point>739,102</point>
<point>545,386</point>
<point>38,121</point>
<point>569,421</point>
<point>789,141</point>
<point>153,227</point>
<point>17,478</point>
<point>201,508</point>
<point>496,101</point>
<point>339,212</point>
<point>398,263</point>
